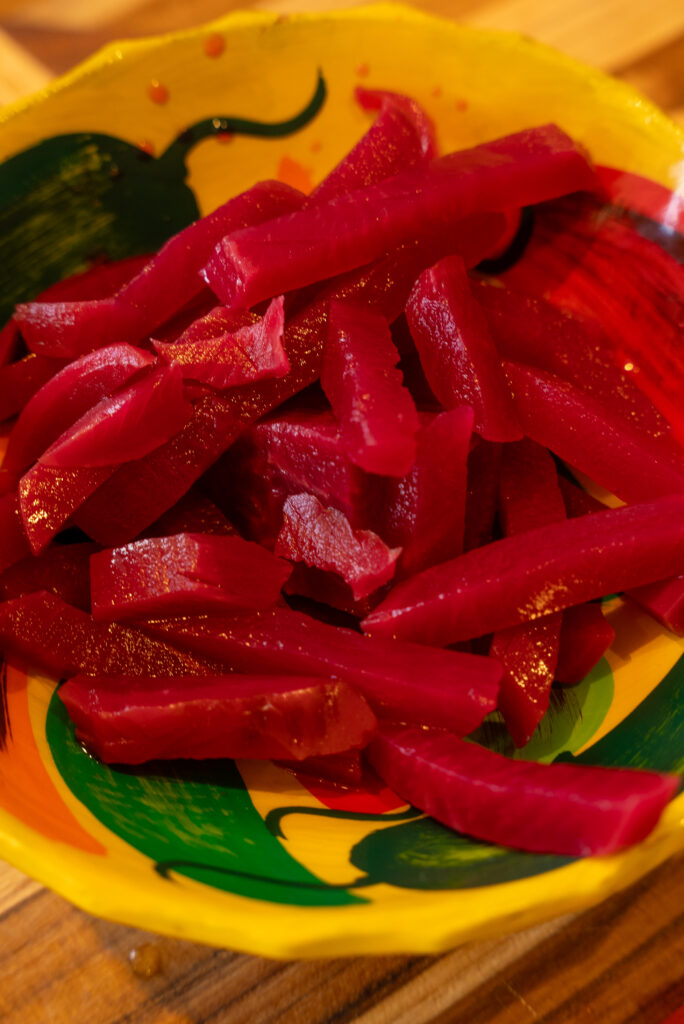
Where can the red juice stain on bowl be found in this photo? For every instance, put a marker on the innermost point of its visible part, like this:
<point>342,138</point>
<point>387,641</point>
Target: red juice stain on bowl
<point>157,92</point>
<point>214,45</point>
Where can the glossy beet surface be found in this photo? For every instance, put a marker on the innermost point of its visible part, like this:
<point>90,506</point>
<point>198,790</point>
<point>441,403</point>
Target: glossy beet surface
<point>161,288</point>
<point>132,720</point>
<point>535,573</point>
<point>558,808</point>
<point>376,413</point>
<point>323,539</point>
<point>405,681</point>
<point>224,349</point>
<point>182,574</point>
<point>321,241</point>
<point>456,351</point>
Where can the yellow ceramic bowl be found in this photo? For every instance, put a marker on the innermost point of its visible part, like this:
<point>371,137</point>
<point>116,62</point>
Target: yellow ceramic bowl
<point>246,856</point>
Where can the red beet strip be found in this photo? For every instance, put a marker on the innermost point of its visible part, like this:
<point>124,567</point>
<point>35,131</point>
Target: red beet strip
<point>568,809</point>
<point>592,438</point>
<point>184,574</point>
<point>377,416</point>
<point>461,363</point>
<point>163,286</point>
<point>585,637</point>
<point>424,512</point>
<point>321,241</point>
<point>128,720</point>
<point>66,397</point>
<point>536,573</point>
<point>61,640</point>
<point>407,681</point>
<point>529,497</point>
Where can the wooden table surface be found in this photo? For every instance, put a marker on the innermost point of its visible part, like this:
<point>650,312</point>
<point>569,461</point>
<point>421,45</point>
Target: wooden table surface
<point>620,962</point>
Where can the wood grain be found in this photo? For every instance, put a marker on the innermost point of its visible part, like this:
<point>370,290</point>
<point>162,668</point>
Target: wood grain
<point>620,963</point>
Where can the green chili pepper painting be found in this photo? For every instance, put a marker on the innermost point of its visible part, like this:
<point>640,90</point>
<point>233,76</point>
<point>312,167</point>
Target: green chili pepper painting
<point>73,199</point>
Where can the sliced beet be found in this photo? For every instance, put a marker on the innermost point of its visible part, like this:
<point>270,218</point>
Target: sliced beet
<point>383,99</point>
<point>125,426</point>
<point>188,573</point>
<point>19,381</point>
<point>585,637</point>
<point>592,438</point>
<point>64,569</point>
<point>141,491</point>
<point>531,331</point>
<point>569,809</point>
<point>321,241</point>
<point>529,497</point>
<point>224,349</point>
<point>66,397</point>
<point>400,680</point>
<point>49,496</point>
<point>400,137</point>
<point>459,358</point>
<point>593,261</point>
<point>424,512</point>
<point>377,416</point>
<point>285,455</point>
<point>323,539</point>
<point>126,720</point>
<point>61,640</point>
<point>163,286</point>
<point>536,573</point>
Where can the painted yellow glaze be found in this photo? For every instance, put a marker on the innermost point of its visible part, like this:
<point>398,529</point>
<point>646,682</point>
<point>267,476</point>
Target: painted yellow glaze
<point>476,85</point>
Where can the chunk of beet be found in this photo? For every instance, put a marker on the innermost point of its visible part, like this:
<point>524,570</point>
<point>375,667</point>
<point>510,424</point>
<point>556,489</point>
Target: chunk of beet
<point>125,426</point>
<point>164,285</point>
<point>326,239</point>
<point>585,637</point>
<point>66,397</point>
<point>567,809</point>
<point>343,769</point>
<point>529,497</point>
<point>285,455</point>
<point>224,349</point>
<point>592,438</point>
<point>456,351</point>
<point>664,601</point>
<point>401,137</point>
<point>377,416</point>
<point>424,511</point>
<point>61,640</point>
<point>128,720</point>
<point>49,496</point>
<point>536,573</point>
<point>323,538</point>
<point>182,574</point>
<point>405,681</point>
